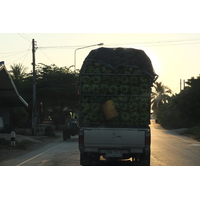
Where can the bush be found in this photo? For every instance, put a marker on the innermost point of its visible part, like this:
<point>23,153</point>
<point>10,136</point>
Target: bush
<point>170,117</point>
<point>183,109</point>
<point>24,145</point>
<point>20,117</point>
<point>194,131</point>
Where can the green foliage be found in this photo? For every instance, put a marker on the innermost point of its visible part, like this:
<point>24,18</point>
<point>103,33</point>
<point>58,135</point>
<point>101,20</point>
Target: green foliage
<point>169,116</point>
<point>56,87</point>
<point>20,116</point>
<point>194,132</point>
<point>124,90</point>
<point>18,72</point>
<point>160,95</point>
<point>183,109</point>
<point>189,100</point>
<point>24,145</point>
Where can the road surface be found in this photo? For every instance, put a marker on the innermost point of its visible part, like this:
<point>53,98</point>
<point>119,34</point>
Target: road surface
<point>168,148</point>
<point>57,153</point>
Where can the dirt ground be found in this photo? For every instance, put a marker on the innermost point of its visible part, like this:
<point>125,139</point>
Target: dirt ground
<point>23,144</point>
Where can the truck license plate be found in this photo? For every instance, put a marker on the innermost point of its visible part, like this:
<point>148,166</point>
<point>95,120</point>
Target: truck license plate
<point>114,153</point>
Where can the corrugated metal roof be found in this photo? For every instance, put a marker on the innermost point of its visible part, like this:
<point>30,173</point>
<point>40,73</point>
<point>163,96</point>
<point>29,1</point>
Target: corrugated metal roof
<point>9,95</point>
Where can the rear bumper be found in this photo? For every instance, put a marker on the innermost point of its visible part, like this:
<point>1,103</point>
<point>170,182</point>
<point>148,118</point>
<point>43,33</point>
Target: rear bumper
<point>125,152</point>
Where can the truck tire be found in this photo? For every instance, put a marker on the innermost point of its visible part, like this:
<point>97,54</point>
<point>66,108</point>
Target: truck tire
<point>85,160</point>
<point>145,161</point>
<point>49,130</point>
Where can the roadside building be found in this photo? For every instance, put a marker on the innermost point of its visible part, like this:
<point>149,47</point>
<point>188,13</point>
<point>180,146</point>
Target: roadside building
<point>9,97</point>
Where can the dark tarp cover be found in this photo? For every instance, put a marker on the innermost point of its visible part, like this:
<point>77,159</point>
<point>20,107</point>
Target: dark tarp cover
<point>115,57</point>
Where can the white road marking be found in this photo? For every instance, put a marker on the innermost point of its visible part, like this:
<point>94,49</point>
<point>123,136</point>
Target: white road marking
<point>39,155</point>
<point>195,145</point>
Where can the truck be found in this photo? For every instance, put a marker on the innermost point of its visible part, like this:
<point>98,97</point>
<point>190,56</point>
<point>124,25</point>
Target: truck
<point>114,89</point>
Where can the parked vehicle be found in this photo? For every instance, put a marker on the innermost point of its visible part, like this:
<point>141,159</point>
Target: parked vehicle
<point>71,128</point>
<point>114,112</point>
<point>47,127</point>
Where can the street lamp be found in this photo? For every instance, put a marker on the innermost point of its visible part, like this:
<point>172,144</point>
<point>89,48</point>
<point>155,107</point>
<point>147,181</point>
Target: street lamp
<point>100,44</point>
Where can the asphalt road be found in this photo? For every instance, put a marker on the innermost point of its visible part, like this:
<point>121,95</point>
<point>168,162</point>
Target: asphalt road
<point>57,153</point>
<point>168,148</point>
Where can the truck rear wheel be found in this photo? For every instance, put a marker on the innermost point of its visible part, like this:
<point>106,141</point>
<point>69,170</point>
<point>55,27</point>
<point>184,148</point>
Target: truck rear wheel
<point>145,160</point>
<point>85,160</point>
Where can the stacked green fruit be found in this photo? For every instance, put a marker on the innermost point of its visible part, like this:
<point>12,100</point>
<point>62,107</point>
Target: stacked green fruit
<point>128,87</point>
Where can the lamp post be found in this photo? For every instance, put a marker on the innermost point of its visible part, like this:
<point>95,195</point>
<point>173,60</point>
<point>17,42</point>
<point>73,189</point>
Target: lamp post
<point>100,44</point>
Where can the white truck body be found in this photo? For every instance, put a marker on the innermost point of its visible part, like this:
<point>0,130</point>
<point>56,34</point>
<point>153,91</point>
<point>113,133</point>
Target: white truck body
<point>121,143</point>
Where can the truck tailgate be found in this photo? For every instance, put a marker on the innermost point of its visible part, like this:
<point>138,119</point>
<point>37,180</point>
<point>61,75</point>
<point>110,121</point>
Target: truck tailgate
<point>114,137</point>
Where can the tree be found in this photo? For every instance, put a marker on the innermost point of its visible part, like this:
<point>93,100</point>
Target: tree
<point>160,95</point>
<point>182,110</point>
<point>20,77</point>
<point>20,117</point>
<point>56,88</point>
<point>20,114</point>
<point>189,100</point>
<point>18,72</point>
<point>170,116</point>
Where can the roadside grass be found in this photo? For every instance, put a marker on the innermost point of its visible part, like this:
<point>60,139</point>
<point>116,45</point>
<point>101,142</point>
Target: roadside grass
<point>24,144</point>
<point>193,132</point>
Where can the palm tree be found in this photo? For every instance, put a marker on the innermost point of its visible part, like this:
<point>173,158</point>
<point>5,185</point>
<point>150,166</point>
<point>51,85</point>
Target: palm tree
<point>160,95</point>
<point>18,72</point>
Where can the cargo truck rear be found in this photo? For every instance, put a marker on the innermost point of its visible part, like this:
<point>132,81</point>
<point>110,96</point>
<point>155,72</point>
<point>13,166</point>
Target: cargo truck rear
<point>114,108</point>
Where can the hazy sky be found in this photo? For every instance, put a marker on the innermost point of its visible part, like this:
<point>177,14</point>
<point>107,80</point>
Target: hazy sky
<point>167,31</point>
<point>174,56</point>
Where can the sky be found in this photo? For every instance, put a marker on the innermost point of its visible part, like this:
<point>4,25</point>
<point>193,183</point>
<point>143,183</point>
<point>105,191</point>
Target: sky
<point>174,56</point>
<point>167,31</point>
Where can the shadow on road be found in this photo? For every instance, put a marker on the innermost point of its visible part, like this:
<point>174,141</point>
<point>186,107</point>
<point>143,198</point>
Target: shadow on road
<point>115,163</point>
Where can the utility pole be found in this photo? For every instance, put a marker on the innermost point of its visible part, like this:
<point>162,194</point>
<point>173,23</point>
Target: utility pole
<point>34,108</point>
<point>184,84</point>
<point>180,85</point>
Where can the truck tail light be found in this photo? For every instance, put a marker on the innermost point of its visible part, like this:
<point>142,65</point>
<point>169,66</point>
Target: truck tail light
<point>148,138</point>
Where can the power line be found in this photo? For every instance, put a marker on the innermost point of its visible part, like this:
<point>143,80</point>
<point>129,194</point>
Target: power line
<point>26,53</point>
<point>24,56</point>
<point>13,52</point>
<point>45,55</point>
<point>25,37</point>
<point>60,47</point>
<point>154,43</point>
<point>161,43</point>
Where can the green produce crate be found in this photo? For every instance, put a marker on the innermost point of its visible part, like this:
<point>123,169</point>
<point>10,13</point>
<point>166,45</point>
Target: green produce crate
<point>117,75</point>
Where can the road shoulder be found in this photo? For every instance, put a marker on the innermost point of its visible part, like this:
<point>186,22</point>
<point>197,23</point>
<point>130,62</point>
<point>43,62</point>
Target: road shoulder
<point>24,145</point>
